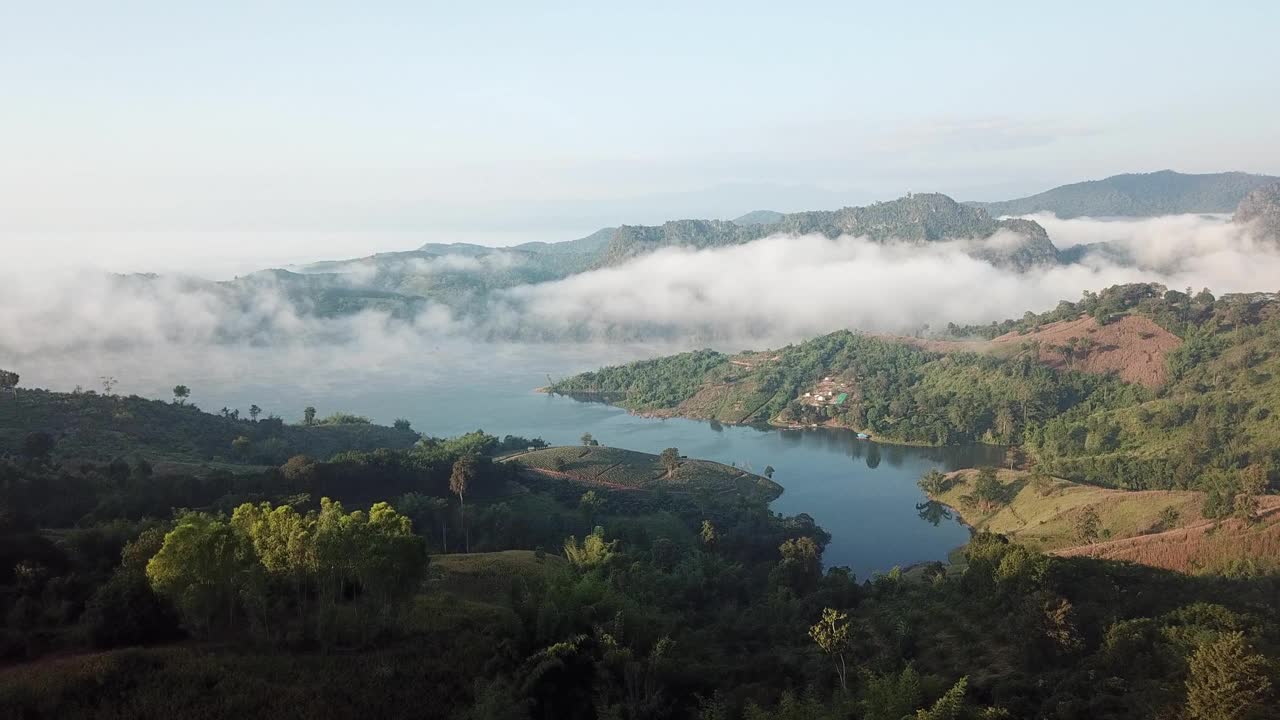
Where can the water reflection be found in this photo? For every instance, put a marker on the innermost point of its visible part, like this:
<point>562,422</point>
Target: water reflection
<point>933,512</point>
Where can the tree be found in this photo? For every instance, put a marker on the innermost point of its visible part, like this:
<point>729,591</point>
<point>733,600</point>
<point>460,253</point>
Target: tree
<point>800,567</point>
<point>1014,456</point>
<point>37,446</point>
<point>587,439</point>
<point>949,706</point>
<point>108,384</point>
<point>987,489</point>
<point>300,471</point>
<point>464,471</point>
<point>1088,525</point>
<point>423,509</point>
<point>670,459</point>
<point>240,446</point>
<point>309,416</point>
<point>589,505</point>
<point>831,634</point>
<point>710,537</point>
<point>201,568</point>
<point>933,483</point>
<point>8,380</point>
<point>1253,482</point>
<point>401,424</point>
<point>1226,680</point>
<point>254,412</point>
<point>592,552</point>
<point>180,394</point>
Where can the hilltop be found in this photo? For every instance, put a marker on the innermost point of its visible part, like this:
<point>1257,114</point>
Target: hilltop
<point>759,217</point>
<point>1138,195</point>
<point>623,470</point>
<point>919,218</point>
<point>97,427</point>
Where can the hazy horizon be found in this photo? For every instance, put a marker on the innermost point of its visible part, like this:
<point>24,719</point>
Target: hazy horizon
<point>341,126</point>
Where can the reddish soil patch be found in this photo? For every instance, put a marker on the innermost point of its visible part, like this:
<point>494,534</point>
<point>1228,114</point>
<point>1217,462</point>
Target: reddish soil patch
<point>1206,545</point>
<point>1133,347</point>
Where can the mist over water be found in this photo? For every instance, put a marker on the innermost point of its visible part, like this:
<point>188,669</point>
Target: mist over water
<point>450,373</point>
<point>863,493</point>
<point>776,290</point>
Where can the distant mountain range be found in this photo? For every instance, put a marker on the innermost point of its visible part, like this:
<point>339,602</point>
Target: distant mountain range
<point>1138,195</point>
<point>466,278</point>
<point>919,218</point>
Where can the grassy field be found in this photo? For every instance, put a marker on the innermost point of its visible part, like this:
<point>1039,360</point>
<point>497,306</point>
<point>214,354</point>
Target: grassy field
<point>1154,527</point>
<point>486,577</point>
<point>631,470</point>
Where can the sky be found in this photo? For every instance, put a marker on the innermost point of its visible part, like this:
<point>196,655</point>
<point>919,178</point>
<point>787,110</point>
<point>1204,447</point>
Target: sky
<point>210,136</point>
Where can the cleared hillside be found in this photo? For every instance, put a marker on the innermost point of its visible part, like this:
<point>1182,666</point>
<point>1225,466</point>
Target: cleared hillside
<point>1164,529</point>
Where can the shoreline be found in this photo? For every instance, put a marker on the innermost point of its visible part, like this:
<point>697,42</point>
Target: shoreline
<point>668,413</point>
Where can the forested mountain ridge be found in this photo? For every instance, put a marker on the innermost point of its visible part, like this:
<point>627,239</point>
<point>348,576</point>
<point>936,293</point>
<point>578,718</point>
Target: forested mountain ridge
<point>919,218</point>
<point>1137,195</point>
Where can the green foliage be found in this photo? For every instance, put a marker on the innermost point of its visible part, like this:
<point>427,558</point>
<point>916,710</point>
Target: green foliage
<point>1088,525</point>
<point>341,418</point>
<point>831,635</point>
<point>593,552</point>
<point>934,483</point>
<point>1227,681</point>
<point>217,571</point>
<point>949,706</point>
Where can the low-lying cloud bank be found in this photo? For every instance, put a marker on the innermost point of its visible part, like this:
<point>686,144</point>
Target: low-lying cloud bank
<point>770,291</point>
<point>787,287</point>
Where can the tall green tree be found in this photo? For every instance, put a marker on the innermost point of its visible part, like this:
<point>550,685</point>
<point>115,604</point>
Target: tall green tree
<point>460,479</point>
<point>202,568</point>
<point>1227,681</point>
<point>831,634</point>
<point>670,459</point>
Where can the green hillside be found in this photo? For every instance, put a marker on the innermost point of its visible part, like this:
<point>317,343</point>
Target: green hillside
<point>1212,424</point>
<point>91,426</point>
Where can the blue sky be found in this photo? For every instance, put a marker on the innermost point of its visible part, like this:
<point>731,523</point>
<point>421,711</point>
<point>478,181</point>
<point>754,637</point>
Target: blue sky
<point>485,119</point>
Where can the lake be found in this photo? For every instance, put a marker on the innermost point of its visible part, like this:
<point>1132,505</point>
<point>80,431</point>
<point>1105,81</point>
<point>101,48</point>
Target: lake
<point>864,493</point>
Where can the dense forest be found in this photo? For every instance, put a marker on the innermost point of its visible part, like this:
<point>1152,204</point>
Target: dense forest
<point>443,580</point>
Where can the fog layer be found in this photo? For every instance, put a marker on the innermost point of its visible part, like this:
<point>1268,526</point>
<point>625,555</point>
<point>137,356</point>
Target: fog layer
<point>771,291</point>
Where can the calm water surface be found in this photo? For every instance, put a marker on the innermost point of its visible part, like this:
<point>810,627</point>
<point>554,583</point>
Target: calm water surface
<point>863,493</point>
